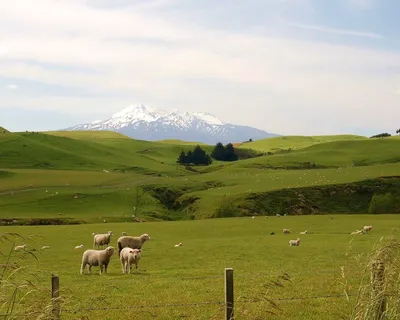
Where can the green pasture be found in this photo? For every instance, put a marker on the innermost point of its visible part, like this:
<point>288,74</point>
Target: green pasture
<point>295,142</point>
<point>193,273</point>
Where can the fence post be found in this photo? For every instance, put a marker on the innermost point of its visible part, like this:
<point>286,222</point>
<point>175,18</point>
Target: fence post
<point>378,283</point>
<point>55,294</point>
<point>229,314</point>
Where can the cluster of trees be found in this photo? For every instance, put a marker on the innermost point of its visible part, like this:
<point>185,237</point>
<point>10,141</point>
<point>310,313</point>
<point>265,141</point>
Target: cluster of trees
<point>382,135</point>
<point>398,131</point>
<point>220,152</point>
<point>196,157</point>
<point>224,153</point>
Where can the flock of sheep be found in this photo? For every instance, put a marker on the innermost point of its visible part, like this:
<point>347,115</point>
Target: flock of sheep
<point>129,252</point>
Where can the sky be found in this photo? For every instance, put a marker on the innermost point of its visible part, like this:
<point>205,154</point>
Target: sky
<point>284,66</point>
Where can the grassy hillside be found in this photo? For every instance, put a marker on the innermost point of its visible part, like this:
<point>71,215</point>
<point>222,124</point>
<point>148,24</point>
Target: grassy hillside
<point>178,281</point>
<point>111,173</point>
<point>295,142</point>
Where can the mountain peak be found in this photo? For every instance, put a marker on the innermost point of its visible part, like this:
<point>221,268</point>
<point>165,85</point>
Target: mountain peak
<point>142,122</point>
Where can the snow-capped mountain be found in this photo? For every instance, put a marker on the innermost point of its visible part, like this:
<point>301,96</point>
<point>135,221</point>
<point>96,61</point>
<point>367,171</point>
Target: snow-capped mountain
<point>145,123</point>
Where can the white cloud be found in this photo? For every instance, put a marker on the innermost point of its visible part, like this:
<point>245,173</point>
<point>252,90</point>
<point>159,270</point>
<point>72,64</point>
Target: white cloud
<point>337,31</point>
<point>168,63</point>
<point>11,86</point>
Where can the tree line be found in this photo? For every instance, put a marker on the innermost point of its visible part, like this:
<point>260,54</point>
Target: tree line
<point>199,156</point>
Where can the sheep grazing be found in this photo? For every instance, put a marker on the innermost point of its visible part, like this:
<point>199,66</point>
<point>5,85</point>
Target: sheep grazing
<point>101,239</point>
<point>278,215</point>
<point>124,233</point>
<point>303,232</point>
<point>21,247</point>
<point>97,258</point>
<point>129,256</point>
<point>79,247</point>
<point>253,217</point>
<point>132,242</point>
<point>45,247</point>
<point>286,231</point>
<point>367,228</point>
<point>179,244</point>
<point>294,242</point>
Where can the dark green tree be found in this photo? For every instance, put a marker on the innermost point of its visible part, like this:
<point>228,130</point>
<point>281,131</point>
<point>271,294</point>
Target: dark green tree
<point>218,152</point>
<point>183,158</point>
<point>200,156</point>
<point>230,154</point>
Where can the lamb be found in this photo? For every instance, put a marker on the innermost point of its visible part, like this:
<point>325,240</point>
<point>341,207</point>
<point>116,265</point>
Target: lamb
<point>79,247</point>
<point>96,258</point>
<point>303,232</point>
<point>129,256</point>
<point>367,228</point>
<point>21,247</point>
<point>132,242</point>
<point>294,242</point>
<point>101,239</point>
<point>286,231</point>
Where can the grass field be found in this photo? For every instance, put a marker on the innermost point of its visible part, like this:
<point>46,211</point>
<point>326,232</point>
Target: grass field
<point>98,177</point>
<point>194,272</point>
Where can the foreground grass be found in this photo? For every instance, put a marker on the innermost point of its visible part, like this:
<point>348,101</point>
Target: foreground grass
<point>193,273</point>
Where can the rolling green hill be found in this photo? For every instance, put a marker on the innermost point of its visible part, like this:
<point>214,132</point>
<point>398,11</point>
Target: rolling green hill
<point>295,142</point>
<point>86,175</point>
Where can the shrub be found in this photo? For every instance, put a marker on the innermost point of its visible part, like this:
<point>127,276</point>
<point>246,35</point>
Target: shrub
<point>382,203</point>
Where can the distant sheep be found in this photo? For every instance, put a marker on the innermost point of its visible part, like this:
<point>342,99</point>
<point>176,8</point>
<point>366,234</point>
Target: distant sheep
<point>131,242</point>
<point>303,232</point>
<point>358,231</point>
<point>21,247</point>
<point>124,233</point>
<point>101,239</point>
<point>278,215</point>
<point>45,247</point>
<point>367,228</point>
<point>79,247</point>
<point>97,258</point>
<point>179,244</point>
<point>286,231</point>
<point>129,256</point>
<point>294,242</point>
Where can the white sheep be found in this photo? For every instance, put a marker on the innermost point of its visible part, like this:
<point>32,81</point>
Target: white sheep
<point>102,239</point>
<point>45,247</point>
<point>124,233</point>
<point>100,258</point>
<point>367,228</point>
<point>303,232</point>
<point>132,242</point>
<point>179,244</point>
<point>294,242</point>
<point>286,231</point>
<point>21,247</point>
<point>129,256</point>
<point>278,215</point>
<point>79,247</point>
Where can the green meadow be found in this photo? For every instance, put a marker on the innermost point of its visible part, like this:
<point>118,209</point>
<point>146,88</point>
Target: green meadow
<point>99,181</point>
<point>175,283</point>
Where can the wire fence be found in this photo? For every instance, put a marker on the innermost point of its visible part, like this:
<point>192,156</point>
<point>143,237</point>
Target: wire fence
<point>242,299</point>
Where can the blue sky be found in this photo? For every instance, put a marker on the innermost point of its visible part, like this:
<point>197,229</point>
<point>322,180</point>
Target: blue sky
<point>285,66</point>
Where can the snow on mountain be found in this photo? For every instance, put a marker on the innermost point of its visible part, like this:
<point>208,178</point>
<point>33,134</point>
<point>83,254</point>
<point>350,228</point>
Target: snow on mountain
<point>142,122</point>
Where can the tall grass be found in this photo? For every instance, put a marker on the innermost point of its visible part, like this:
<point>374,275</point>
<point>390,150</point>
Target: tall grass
<point>378,295</point>
<point>20,283</point>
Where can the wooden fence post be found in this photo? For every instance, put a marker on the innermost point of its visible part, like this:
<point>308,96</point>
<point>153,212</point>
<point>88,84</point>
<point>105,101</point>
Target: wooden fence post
<point>378,284</point>
<point>55,294</point>
<point>229,314</point>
